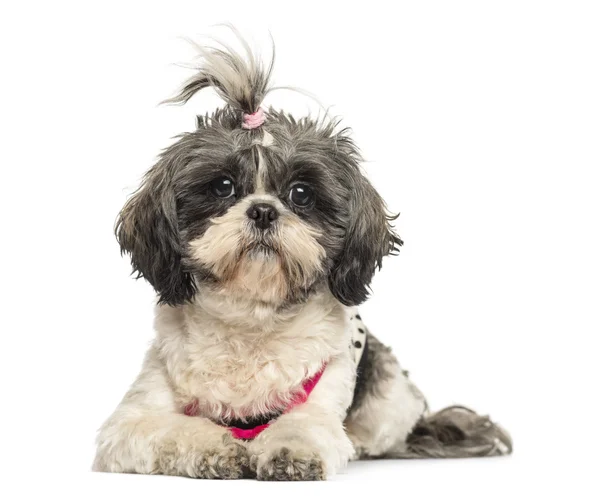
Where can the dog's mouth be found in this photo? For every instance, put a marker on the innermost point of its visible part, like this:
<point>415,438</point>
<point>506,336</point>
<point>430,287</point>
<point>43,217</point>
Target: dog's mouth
<point>262,247</point>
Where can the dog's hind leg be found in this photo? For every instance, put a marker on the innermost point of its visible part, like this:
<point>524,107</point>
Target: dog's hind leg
<point>386,404</point>
<point>389,418</point>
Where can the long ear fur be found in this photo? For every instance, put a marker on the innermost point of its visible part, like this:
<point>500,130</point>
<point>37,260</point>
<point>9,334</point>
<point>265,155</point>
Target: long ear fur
<point>369,238</point>
<point>147,229</point>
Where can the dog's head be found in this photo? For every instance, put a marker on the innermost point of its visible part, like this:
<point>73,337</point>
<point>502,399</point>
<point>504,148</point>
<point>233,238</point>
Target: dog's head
<point>255,203</point>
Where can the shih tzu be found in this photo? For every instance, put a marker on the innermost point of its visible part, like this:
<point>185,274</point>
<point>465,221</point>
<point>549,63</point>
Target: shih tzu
<point>260,235</point>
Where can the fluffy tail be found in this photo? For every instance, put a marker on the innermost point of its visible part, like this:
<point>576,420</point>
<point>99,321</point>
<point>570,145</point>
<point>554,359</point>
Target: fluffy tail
<point>455,432</point>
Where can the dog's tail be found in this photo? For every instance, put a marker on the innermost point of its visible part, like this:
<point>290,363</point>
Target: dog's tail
<point>455,432</point>
<point>239,78</point>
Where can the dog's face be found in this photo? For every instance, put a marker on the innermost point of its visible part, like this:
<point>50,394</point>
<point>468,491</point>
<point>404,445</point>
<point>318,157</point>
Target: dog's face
<point>269,214</point>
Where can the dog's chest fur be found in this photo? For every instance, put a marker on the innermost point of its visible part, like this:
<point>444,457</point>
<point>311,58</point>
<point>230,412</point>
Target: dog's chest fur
<point>240,360</point>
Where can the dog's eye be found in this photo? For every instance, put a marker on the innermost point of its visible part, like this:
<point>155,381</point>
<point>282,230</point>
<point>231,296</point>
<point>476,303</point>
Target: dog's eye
<point>302,195</point>
<point>222,187</point>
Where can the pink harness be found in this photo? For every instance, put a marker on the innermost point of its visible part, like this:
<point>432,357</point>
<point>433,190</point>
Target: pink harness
<point>193,409</point>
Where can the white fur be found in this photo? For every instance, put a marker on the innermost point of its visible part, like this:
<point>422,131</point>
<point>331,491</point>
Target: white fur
<point>223,248</point>
<point>316,425</point>
<point>238,358</point>
<point>148,421</point>
<point>257,327</point>
<point>236,352</point>
<point>261,171</point>
<point>268,139</point>
<point>384,419</point>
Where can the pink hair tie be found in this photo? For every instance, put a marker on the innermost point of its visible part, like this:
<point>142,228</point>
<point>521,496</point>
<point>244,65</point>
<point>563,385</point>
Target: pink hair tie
<point>254,120</point>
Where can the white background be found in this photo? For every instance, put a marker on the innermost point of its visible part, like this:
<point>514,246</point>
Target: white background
<point>480,123</point>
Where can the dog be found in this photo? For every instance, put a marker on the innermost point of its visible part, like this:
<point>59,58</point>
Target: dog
<point>260,235</point>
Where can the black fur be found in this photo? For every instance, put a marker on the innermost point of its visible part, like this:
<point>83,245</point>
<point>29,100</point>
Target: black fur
<point>174,205</point>
<point>369,238</point>
<point>375,368</point>
<point>455,432</point>
<point>147,229</point>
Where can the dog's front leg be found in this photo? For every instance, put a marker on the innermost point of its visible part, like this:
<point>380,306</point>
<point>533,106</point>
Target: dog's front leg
<point>146,435</point>
<point>309,442</point>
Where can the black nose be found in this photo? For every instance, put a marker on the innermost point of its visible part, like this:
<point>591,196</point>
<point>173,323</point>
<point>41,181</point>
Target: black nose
<point>263,214</point>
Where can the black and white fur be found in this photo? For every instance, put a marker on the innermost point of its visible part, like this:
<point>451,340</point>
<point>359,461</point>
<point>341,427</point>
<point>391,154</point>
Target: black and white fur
<point>245,313</point>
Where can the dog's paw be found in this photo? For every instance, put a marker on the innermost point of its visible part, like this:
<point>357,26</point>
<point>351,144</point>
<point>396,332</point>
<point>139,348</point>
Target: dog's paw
<point>286,464</point>
<point>228,460</point>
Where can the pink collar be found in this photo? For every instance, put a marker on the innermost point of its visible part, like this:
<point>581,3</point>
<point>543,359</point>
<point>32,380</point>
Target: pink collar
<point>192,409</point>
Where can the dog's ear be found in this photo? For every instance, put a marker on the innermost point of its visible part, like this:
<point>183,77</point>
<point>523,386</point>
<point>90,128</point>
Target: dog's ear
<point>369,237</point>
<point>147,229</point>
